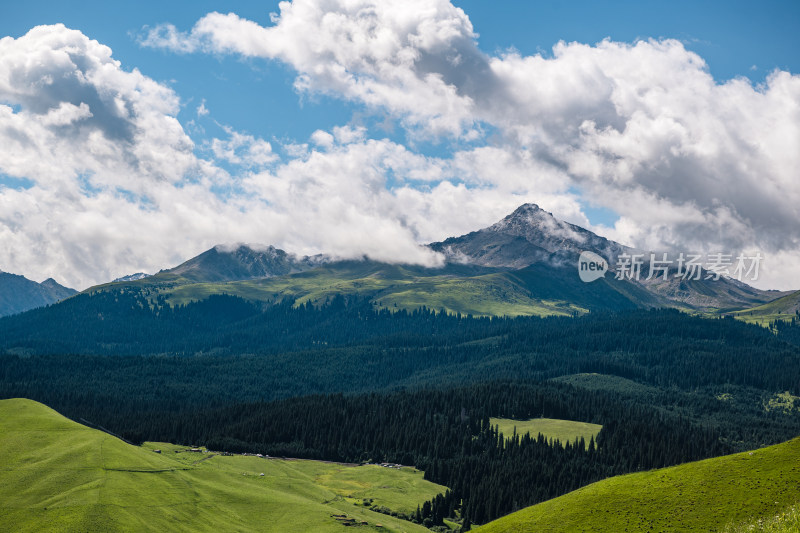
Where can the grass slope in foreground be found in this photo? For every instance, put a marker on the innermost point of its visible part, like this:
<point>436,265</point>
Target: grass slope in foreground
<point>561,430</point>
<point>701,496</point>
<point>57,475</point>
<point>787,521</point>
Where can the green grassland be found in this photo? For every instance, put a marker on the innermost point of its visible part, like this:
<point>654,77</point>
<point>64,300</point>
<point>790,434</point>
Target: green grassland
<point>561,430</point>
<point>706,495</point>
<point>454,289</point>
<point>780,309</point>
<point>479,291</point>
<point>786,521</point>
<point>57,475</point>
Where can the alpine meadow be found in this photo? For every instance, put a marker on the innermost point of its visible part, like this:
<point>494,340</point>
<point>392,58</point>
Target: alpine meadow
<point>436,265</point>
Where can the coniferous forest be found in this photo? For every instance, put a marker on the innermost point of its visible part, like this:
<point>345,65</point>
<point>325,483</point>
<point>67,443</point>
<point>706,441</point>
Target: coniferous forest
<point>343,381</point>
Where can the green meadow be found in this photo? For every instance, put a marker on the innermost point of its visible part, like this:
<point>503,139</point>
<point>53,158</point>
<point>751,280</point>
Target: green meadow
<point>57,475</point>
<point>728,493</point>
<point>783,308</point>
<point>552,429</point>
<point>388,286</point>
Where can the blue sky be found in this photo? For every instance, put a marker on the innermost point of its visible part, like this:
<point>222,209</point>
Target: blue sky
<point>376,154</point>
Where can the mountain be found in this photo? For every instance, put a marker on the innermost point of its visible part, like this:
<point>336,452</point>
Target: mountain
<point>531,235</point>
<point>526,236</point>
<point>132,277</point>
<point>701,496</point>
<point>18,294</point>
<point>466,289</point>
<point>525,264</point>
<point>239,262</point>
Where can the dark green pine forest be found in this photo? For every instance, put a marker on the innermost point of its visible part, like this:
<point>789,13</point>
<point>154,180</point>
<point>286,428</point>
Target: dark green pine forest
<point>341,380</point>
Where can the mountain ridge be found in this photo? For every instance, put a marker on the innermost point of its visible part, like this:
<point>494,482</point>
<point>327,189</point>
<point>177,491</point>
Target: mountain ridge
<point>19,294</point>
<point>240,262</point>
<point>525,263</point>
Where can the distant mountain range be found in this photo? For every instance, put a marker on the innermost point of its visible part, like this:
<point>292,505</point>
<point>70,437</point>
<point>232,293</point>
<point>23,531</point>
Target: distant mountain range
<point>18,293</point>
<point>524,264</point>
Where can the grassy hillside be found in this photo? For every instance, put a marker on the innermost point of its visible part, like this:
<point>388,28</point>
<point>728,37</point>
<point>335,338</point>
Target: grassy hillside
<point>57,475</point>
<point>468,290</point>
<point>561,430</point>
<point>702,496</point>
<point>780,309</point>
<point>786,521</point>
<point>540,289</point>
<point>481,291</point>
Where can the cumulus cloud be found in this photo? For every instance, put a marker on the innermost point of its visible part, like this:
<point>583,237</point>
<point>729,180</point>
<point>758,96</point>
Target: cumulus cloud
<point>60,90</point>
<point>242,150</point>
<point>692,161</point>
<point>416,59</point>
<point>101,148</point>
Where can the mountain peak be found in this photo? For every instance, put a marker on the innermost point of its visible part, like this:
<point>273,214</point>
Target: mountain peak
<point>50,282</point>
<point>530,217</point>
<point>528,235</point>
<point>18,293</point>
<point>527,208</point>
<point>240,261</point>
<point>527,213</point>
<point>132,277</point>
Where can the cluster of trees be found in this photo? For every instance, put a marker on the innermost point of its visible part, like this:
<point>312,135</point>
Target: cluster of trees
<point>131,322</point>
<point>788,330</point>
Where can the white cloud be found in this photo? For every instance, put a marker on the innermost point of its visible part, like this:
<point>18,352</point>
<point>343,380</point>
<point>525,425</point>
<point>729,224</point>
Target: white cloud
<point>323,139</point>
<point>243,150</point>
<point>337,200</point>
<point>400,56</point>
<point>80,113</point>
